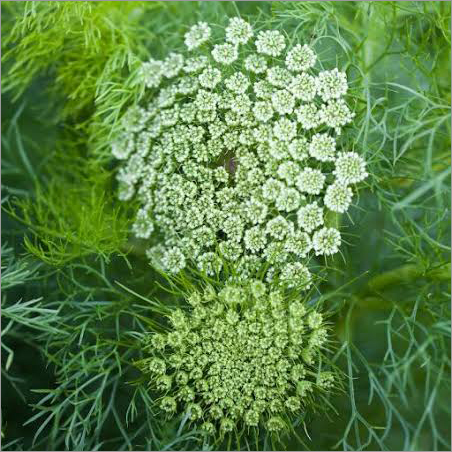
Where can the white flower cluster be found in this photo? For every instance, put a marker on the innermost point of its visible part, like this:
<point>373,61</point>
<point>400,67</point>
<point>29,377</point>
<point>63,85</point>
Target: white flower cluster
<point>238,165</point>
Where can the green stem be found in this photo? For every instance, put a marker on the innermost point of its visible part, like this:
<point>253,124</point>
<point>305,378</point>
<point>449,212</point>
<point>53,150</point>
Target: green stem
<point>406,274</point>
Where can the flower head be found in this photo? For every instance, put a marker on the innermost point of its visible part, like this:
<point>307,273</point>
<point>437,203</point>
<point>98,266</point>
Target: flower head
<point>283,102</point>
<point>172,65</point>
<point>279,76</point>
<point>288,170</point>
<point>331,84</point>
<point>195,64</point>
<point>335,113</point>
<point>237,83</point>
<point>288,200</point>
<point>310,181</point>
<point>263,89</point>
<point>338,197</point>
<point>303,86</point>
<point>225,53</point>
<point>255,239</point>
<point>236,167</point>
<point>197,35</point>
<point>300,58</point>
<point>256,63</point>
<point>322,147</point>
<point>285,129</point>
<point>278,228</point>
<point>151,72</point>
<point>173,259</point>
<point>350,168</point>
<point>234,360</point>
<point>298,243</point>
<point>307,116</point>
<point>310,217</point>
<point>209,77</point>
<point>296,275</point>
<point>326,241</point>
<point>270,42</point>
<point>238,31</point>
<point>209,263</point>
<point>263,111</point>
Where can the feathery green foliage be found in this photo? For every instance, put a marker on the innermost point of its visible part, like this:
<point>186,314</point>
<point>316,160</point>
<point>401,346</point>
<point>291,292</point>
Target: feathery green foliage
<point>68,220</point>
<point>108,36</point>
<point>78,295</point>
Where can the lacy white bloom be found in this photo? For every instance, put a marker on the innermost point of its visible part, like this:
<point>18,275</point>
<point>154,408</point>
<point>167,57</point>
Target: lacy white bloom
<point>172,65</point>
<point>241,104</point>
<point>197,35</point>
<point>210,263</point>
<point>143,226</point>
<point>288,171</point>
<point>283,102</point>
<point>303,86</point>
<point>209,77</point>
<point>271,189</point>
<point>206,100</point>
<point>166,98</point>
<point>322,147</point>
<point>263,89</point>
<point>123,146</point>
<point>285,129</point>
<point>335,113</point>
<point>338,197</point>
<point>136,119</point>
<point>307,116</point>
<point>237,82</point>
<point>298,243</point>
<point>255,239</point>
<point>350,168</point>
<point>270,42</point>
<point>279,227</point>
<point>296,275</point>
<point>187,85</point>
<point>256,211</point>
<point>256,63</point>
<point>238,31</point>
<point>326,241</point>
<point>277,149</point>
<point>263,111</point>
<point>331,84</point>
<point>195,64</point>
<point>278,76</point>
<point>275,254</point>
<point>289,199</point>
<point>298,148</point>
<point>230,250</point>
<point>151,72</point>
<point>236,164</point>
<point>262,134</point>
<point>310,217</point>
<point>300,58</point>
<point>174,260</point>
<point>310,181</point>
<point>225,53</point>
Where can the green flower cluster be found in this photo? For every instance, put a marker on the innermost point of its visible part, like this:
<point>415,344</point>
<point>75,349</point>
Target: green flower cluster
<point>239,357</point>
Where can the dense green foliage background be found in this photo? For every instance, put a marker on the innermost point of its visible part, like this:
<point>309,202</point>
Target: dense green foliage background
<point>76,289</point>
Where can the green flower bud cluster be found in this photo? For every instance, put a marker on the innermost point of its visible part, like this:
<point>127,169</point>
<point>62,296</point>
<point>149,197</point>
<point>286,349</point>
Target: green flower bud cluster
<point>239,357</point>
